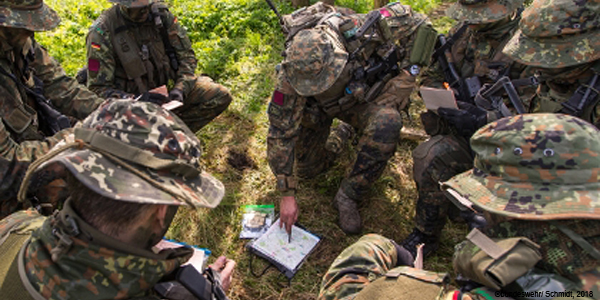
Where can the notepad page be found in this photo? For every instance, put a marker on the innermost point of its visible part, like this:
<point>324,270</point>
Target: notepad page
<point>274,243</point>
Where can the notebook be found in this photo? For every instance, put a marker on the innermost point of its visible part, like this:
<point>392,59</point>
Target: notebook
<point>436,98</point>
<point>286,255</point>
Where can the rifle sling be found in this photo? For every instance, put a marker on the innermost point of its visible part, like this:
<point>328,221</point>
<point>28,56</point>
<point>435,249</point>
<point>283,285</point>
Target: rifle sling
<point>133,154</point>
<point>579,240</point>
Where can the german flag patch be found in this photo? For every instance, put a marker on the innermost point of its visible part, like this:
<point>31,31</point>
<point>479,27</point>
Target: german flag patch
<point>96,46</point>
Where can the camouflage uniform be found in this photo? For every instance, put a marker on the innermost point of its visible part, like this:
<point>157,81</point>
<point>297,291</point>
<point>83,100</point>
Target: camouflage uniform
<point>317,70</point>
<point>116,69</point>
<point>129,151</point>
<point>541,170</point>
<point>447,155</point>
<point>21,139</point>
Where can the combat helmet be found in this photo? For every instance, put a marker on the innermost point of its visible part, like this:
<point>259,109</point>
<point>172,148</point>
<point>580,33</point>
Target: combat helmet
<point>533,167</point>
<point>137,152</point>
<point>33,15</point>
<point>557,34</point>
<point>482,11</point>
<point>133,3</point>
<point>314,60</point>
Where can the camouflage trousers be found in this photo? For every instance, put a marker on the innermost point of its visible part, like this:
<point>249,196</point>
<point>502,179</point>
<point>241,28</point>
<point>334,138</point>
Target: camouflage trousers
<point>371,257</point>
<point>437,160</point>
<point>205,102</point>
<point>378,129</point>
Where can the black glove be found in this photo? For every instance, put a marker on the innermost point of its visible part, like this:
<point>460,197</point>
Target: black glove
<point>467,119</point>
<point>176,94</point>
<point>158,99</point>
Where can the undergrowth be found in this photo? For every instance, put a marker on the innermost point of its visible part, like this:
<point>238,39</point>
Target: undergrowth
<point>238,43</point>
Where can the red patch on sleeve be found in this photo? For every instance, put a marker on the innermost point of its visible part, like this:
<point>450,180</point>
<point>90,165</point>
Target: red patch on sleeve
<point>278,98</point>
<point>384,12</point>
<point>93,65</point>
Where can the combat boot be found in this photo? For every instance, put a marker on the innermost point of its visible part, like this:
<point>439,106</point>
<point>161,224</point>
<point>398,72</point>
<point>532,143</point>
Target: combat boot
<point>348,213</point>
<point>339,138</point>
<point>417,237</point>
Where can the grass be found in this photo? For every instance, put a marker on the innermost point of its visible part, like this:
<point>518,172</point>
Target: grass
<point>238,43</point>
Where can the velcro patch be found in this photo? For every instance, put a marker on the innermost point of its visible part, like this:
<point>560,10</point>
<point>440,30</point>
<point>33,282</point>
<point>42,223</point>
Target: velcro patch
<point>384,12</point>
<point>93,65</point>
<point>278,98</point>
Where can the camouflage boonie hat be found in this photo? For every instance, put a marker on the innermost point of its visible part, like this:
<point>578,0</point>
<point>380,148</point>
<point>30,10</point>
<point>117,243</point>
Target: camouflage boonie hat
<point>314,60</point>
<point>133,3</point>
<point>33,15</point>
<point>151,140</point>
<point>534,167</point>
<point>482,11</point>
<point>557,34</point>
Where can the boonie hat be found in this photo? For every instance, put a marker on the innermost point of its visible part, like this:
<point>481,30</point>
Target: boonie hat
<point>33,15</point>
<point>482,11</point>
<point>533,167</point>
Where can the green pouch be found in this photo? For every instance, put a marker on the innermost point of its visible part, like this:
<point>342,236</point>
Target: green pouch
<point>423,47</point>
<point>495,262</point>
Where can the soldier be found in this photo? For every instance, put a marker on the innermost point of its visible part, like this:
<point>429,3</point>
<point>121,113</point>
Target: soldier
<point>342,69</point>
<point>536,180</point>
<point>137,46</point>
<point>446,155</point>
<point>132,165</point>
<point>32,86</point>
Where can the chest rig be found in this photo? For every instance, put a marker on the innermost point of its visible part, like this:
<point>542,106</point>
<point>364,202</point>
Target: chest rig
<point>379,46</point>
<point>18,113</point>
<point>145,53</point>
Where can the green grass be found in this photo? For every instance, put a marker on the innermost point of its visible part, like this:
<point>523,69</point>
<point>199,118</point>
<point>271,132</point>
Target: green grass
<point>238,43</point>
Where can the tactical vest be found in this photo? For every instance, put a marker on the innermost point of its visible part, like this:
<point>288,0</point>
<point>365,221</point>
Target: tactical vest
<point>143,60</point>
<point>15,232</point>
<point>405,283</point>
<point>397,27</point>
<point>20,117</point>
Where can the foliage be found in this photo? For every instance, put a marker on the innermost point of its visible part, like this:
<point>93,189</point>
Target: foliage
<point>238,43</point>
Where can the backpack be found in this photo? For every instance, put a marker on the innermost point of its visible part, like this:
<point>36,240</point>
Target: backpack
<point>306,17</point>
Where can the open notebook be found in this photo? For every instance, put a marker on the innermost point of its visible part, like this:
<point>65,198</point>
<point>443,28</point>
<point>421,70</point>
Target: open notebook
<point>286,255</point>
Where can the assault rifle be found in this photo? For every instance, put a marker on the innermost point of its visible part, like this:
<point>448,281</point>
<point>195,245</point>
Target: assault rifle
<point>51,121</point>
<point>465,89</point>
<point>584,97</point>
<point>490,96</point>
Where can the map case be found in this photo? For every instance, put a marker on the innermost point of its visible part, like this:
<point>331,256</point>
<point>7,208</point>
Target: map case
<point>286,255</point>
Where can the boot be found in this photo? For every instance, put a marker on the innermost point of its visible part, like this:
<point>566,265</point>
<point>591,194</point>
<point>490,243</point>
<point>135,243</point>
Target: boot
<point>348,213</point>
<point>416,237</point>
<point>339,137</point>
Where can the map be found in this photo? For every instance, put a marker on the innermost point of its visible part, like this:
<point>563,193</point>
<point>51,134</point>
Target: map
<point>274,244</point>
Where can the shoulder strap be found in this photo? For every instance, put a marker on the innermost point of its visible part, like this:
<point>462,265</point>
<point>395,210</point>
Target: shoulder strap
<point>159,21</point>
<point>127,49</point>
<point>21,263</point>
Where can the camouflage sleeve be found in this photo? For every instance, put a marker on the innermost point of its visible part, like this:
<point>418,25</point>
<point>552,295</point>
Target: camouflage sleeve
<point>357,266</point>
<point>66,94</point>
<point>15,158</point>
<point>590,281</point>
<point>102,63</point>
<point>285,116</point>
<point>178,36</point>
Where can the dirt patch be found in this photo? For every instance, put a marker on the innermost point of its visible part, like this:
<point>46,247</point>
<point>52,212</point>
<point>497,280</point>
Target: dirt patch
<point>240,160</point>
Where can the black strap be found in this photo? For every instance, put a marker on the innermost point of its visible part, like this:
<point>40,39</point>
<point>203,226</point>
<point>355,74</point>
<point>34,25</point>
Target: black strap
<point>162,28</point>
<point>451,40</point>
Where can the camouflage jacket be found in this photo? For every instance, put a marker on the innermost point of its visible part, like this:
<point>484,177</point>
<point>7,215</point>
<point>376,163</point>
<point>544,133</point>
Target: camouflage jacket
<point>85,271</point>
<point>20,139</point>
<point>287,107</point>
<point>478,53</point>
<point>106,74</point>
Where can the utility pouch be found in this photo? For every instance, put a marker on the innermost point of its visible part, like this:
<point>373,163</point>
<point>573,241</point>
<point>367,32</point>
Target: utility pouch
<point>422,50</point>
<point>434,124</point>
<point>495,262</point>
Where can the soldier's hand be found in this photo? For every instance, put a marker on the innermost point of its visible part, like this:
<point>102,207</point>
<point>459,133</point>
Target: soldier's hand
<point>467,119</point>
<point>158,99</point>
<point>176,95</point>
<point>288,213</point>
<point>224,267</point>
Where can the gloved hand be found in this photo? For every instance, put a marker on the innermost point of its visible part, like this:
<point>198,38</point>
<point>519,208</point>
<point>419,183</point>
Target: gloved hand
<point>158,99</point>
<point>467,119</point>
<point>176,94</point>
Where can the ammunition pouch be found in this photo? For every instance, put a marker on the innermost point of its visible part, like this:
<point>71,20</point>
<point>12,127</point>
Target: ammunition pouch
<point>495,263</point>
<point>422,49</point>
